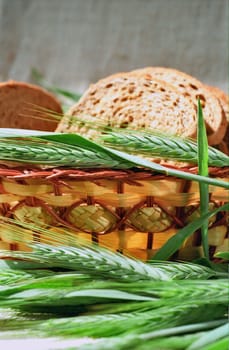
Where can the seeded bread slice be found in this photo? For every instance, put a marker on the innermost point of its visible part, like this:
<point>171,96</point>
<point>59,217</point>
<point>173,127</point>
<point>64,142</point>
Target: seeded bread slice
<point>18,102</point>
<point>127,101</point>
<point>213,112</point>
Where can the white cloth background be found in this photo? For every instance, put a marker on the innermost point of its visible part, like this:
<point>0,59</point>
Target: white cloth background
<point>75,42</point>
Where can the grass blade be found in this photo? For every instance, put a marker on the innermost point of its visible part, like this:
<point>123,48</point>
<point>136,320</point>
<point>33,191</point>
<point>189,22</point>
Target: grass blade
<point>185,270</point>
<point>221,344</point>
<point>159,146</point>
<point>107,325</point>
<point>13,132</point>
<point>202,143</point>
<point>113,158</point>
<point>132,160</point>
<point>137,161</point>
<point>91,259</point>
<point>82,254</point>
<point>175,242</point>
<point>191,290</point>
<point>212,336</point>
<point>52,153</point>
<point>196,327</point>
<point>222,255</point>
<point>10,276</point>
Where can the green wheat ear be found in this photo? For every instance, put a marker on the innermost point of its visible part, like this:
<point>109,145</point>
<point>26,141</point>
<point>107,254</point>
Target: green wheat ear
<point>159,146</point>
<point>155,144</point>
<point>202,143</point>
<point>75,151</point>
<point>86,257</point>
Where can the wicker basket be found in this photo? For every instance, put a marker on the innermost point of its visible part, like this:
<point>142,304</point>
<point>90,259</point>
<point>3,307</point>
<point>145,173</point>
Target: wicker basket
<point>133,212</point>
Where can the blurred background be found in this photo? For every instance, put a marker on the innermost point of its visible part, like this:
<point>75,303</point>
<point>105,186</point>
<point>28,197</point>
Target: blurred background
<point>76,42</point>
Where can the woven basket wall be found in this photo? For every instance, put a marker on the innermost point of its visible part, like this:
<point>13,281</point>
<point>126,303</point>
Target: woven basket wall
<point>134,212</point>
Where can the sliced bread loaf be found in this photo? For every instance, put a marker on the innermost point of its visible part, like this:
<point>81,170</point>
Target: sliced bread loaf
<point>127,101</point>
<point>19,103</point>
<point>222,97</point>
<point>213,112</point>
<point>224,100</point>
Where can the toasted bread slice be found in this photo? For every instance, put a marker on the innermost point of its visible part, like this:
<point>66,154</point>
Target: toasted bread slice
<point>127,101</point>
<point>19,103</point>
<point>213,112</point>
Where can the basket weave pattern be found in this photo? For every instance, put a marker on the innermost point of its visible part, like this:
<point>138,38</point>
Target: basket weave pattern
<point>134,212</point>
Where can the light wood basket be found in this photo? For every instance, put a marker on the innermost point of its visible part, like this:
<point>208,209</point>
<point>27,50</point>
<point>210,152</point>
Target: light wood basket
<point>133,212</point>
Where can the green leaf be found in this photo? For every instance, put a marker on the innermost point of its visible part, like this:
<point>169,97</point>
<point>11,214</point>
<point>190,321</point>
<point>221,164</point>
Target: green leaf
<point>210,337</point>
<point>222,255</point>
<point>68,295</point>
<point>125,159</point>
<point>78,140</point>
<point>153,144</point>
<point>18,265</point>
<point>221,344</point>
<point>175,242</point>
<point>202,143</point>
<point>137,161</point>
<point>13,132</point>
<point>196,327</point>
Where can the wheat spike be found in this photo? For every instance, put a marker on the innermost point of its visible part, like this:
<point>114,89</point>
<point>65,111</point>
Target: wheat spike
<point>92,259</point>
<point>161,146</point>
<point>87,257</point>
<point>132,323</point>
<point>53,154</point>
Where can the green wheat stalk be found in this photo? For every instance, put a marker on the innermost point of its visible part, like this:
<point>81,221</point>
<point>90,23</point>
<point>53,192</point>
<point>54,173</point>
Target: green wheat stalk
<point>54,154</point>
<point>202,143</point>
<point>65,286</point>
<point>11,277</point>
<point>79,152</point>
<point>161,146</point>
<point>91,259</point>
<point>86,257</point>
<point>107,325</point>
<point>168,339</point>
<point>152,143</point>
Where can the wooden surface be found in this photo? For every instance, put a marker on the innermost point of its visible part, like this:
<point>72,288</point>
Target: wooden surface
<point>75,42</point>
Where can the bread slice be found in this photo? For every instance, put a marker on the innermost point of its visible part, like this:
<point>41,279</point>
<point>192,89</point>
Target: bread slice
<point>126,101</point>
<point>213,112</point>
<point>18,104</point>
<point>222,97</point>
<point>224,100</point>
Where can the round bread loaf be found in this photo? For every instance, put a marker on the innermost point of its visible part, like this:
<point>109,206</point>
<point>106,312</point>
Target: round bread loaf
<point>213,112</point>
<point>133,102</point>
<point>20,103</point>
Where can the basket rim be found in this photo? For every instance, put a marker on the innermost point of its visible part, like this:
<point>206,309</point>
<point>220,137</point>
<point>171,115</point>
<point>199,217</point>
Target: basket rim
<point>24,172</point>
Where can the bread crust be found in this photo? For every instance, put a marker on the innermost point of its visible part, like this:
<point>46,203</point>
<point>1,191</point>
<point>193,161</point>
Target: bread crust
<point>215,118</point>
<point>19,102</point>
<point>126,101</point>
<point>224,100</point>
